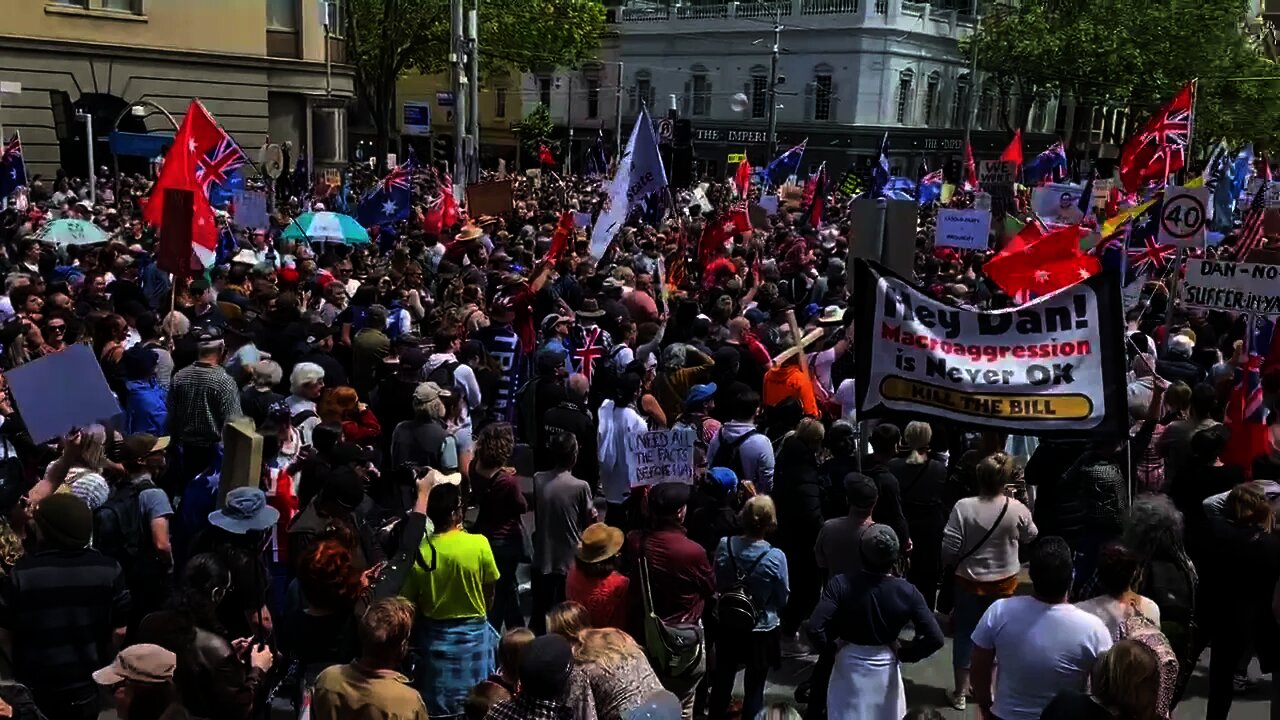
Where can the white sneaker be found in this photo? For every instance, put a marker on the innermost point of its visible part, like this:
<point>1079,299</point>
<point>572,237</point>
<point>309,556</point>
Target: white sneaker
<point>957,700</point>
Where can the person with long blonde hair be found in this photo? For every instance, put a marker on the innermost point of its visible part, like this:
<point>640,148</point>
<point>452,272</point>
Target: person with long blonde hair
<point>611,675</point>
<point>1124,685</point>
<point>922,480</point>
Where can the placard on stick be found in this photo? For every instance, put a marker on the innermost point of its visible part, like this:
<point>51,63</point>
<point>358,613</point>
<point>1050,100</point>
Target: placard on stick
<point>964,229</point>
<point>491,198</point>
<point>62,391</point>
<point>660,456</point>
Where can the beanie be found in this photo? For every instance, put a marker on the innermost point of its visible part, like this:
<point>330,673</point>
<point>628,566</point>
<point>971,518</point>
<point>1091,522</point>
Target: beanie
<point>64,521</point>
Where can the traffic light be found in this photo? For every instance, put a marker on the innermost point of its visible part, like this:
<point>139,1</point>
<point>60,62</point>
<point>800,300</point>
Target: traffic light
<point>442,150</point>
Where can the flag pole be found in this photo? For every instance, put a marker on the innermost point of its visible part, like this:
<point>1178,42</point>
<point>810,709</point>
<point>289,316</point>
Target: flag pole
<point>1181,256</point>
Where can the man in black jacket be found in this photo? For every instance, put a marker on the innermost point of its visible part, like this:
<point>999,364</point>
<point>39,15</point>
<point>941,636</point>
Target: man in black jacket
<point>884,446</point>
<point>572,416</point>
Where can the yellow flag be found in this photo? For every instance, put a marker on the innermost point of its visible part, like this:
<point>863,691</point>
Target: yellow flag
<point>1114,223</point>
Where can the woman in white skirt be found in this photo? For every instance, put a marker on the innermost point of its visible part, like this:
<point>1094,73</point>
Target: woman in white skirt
<point>861,615</point>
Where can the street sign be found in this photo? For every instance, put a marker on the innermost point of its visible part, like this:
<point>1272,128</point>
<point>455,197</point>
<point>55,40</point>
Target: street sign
<point>666,127</point>
<point>417,118</point>
<point>1183,216</point>
<point>444,98</point>
<point>735,158</point>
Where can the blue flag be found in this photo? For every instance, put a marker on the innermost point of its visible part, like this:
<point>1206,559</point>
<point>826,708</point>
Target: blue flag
<point>880,173</point>
<point>1046,164</point>
<point>1241,170</point>
<point>930,187</point>
<point>785,165</point>
<point>1224,195</point>
<point>389,201</point>
<point>13,168</point>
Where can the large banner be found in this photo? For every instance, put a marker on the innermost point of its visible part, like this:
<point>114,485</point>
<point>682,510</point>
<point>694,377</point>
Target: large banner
<point>1054,366</point>
<point>1241,286</point>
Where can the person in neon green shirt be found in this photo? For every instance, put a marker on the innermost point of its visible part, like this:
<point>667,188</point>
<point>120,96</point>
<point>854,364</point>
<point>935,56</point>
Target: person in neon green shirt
<point>452,584</point>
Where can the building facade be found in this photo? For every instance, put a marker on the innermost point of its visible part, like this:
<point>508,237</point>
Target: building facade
<point>849,71</point>
<point>268,70</point>
<point>422,96</point>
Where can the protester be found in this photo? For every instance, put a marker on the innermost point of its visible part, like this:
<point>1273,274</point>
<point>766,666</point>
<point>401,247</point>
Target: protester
<point>501,503</point>
<point>141,684</point>
<point>545,670</point>
<point>1043,644</point>
<point>922,480</point>
<point>371,686</point>
<point>562,510</point>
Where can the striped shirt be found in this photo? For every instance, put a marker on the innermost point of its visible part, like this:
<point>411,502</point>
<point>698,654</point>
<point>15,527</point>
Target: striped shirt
<point>60,607</point>
<point>202,398</point>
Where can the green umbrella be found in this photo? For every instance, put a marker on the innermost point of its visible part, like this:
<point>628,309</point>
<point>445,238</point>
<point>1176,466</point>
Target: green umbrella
<point>327,227</point>
<point>72,232</point>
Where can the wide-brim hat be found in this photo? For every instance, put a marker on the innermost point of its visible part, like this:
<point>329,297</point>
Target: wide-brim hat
<point>590,309</point>
<point>245,510</point>
<point>831,315</point>
<point>246,257</point>
<point>468,233</point>
<point>599,543</point>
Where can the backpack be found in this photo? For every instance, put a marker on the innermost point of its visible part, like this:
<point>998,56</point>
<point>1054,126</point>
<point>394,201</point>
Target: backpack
<point>146,407</point>
<point>736,608</point>
<point>118,526</point>
<point>729,454</point>
<point>300,418</point>
<point>442,375</point>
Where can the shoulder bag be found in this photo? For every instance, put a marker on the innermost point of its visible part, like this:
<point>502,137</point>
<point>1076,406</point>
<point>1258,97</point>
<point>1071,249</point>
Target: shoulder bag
<point>947,594</point>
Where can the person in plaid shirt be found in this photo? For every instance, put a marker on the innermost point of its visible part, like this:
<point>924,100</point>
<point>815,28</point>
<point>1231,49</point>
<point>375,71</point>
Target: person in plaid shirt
<point>544,674</point>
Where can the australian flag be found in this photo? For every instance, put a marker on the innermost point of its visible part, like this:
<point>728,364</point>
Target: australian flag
<point>930,187</point>
<point>1142,257</point>
<point>13,168</point>
<point>1045,165</point>
<point>217,171</point>
<point>785,165</point>
<point>388,202</point>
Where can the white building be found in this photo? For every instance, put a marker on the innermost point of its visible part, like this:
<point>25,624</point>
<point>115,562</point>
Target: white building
<point>853,69</point>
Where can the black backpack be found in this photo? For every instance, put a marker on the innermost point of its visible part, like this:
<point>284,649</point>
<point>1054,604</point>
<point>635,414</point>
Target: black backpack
<point>729,453</point>
<point>736,609</point>
<point>442,375</point>
<point>119,529</point>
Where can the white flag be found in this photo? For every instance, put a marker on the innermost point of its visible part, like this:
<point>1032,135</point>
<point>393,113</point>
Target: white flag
<point>639,174</point>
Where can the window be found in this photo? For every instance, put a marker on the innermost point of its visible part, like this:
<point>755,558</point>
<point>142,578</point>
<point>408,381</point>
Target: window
<point>882,7</point>
<point>986,103</point>
<point>70,3</point>
<point>1039,111</point>
<point>500,102</point>
<point>1002,108</point>
<point>822,96</point>
<point>701,91</point>
<point>931,98</point>
<point>593,98</point>
<point>333,12</point>
<point>129,6</point>
<point>642,92</point>
<point>282,15</point>
<point>904,95</point>
<point>960,103</point>
<point>544,91</point>
<point>759,92</point>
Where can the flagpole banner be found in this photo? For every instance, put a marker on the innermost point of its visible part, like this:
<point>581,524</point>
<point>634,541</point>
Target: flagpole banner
<point>964,229</point>
<point>640,172</point>
<point>1240,286</point>
<point>1054,366</point>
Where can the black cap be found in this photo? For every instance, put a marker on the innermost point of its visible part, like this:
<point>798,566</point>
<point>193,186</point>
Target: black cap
<point>545,667</point>
<point>349,453</point>
<point>344,487</point>
<point>861,491</point>
<point>667,498</point>
<point>139,362</point>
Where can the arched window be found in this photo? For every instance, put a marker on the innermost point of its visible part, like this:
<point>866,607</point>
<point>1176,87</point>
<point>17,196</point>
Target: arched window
<point>905,78</point>
<point>960,102</point>
<point>758,92</point>
<point>931,98</point>
<point>822,92</point>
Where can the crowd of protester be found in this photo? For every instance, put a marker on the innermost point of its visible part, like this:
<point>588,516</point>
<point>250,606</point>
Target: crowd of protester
<point>445,416</point>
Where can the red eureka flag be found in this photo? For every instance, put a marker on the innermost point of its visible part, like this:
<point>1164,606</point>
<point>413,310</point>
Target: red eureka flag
<point>1043,265</point>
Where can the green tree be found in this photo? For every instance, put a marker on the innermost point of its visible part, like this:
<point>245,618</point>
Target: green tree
<point>1136,54</point>
<point>535,129</point>
<point>391,37</point>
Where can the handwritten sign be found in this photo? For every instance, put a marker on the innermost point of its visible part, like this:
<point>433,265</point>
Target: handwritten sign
<point>996,172</point>
<point>850,184</point>
<point>660,456</point>
<point>964,229</point>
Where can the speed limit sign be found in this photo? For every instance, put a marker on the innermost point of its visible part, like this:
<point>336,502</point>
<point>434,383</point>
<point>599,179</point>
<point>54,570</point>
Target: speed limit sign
<point>1183,216</point>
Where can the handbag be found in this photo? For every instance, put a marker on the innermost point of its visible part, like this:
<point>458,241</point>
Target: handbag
<point>673,648</point>
<point>947,593</point>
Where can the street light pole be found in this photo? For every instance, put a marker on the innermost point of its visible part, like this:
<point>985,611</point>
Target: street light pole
<point>473,79</point>
<point>461,93</point>
<point>971,110</point>
<point>617,113</point>
<point>93,180</point>
<point>773,84</point>
<point>568,153</point>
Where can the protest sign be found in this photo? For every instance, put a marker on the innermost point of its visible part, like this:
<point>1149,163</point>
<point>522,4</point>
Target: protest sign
<point>1058,203</point>
<point>769,203</point>
<point>62,391</point>
<point>1272,197</point>
<point>491,198</point>
<point>1054,366</point>
<point>1183,216</point>
<point>1240,286</point>
<point>850,184</point>
<point>996,172</point>
<point>250,209</point>
<point>964,229</point>
<point>582,219</point>
<point>660,456</point>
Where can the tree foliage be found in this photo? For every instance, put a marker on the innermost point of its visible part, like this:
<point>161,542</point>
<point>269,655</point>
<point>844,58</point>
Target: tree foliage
<point>1137,54</point>
<point>535,128</point>
<point>388,38</point>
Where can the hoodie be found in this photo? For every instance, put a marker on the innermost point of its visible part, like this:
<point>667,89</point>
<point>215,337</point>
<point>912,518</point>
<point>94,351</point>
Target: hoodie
<point>616,424</point>
<point>755,453</point>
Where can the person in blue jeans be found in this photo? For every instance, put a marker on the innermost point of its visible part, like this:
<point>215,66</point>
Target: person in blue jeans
<point>764,568</point>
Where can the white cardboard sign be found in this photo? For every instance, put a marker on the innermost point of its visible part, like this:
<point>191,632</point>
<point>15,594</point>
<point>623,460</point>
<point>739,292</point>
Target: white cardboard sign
<point>964,229</point>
